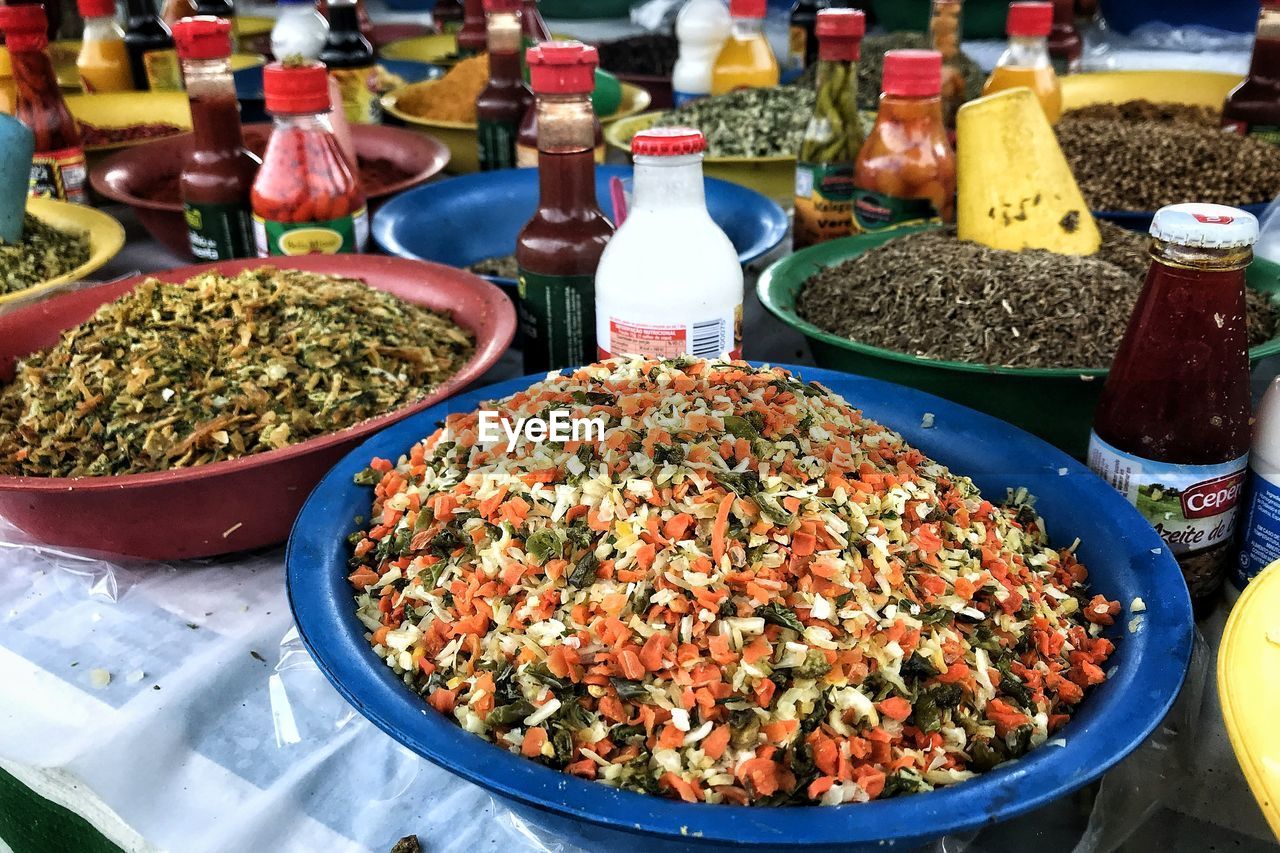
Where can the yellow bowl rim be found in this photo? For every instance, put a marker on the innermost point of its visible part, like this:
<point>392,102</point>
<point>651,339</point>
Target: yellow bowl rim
<point>390,104</point>
<point>613,138</point>
<point>106,238</point>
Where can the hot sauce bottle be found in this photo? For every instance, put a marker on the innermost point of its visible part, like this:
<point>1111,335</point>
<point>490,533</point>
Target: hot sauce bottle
<point>1066,48</point>
<point>833,137</point>
<point>506,99</point>
<point>103,62</point>
<point>58,168</point>
<point>219,171</point>
<point>152,60</point>
<point>944,37</point>
<point>473,36</point>
<point>349,57</point>
<point>532,24</point>
<point>1026,61</point>
<point>1172,429</point>
<point>1253,106</point>
<point>906,169</point>
<point>306,200</point>
<point>559,248</point>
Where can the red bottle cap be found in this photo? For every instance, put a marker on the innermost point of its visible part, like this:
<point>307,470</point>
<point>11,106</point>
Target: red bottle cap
<point>25,27</point>
<point>502,5</point>
<point>668,142</point>
<point>840,33</point>
<point>748,8</point>
<point>296,88</point>
<point>202,37</point>
<point>912,73</point>
<point>562,68</point>
<point>1030,20</point>
<point>96,8</point>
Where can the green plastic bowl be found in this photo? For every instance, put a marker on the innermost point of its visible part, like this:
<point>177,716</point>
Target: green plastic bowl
<point>1054,403</point>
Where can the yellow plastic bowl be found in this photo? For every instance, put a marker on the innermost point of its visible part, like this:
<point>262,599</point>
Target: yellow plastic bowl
<point>106,237</point>
<point>63,53</point>
<point>460,136</point>
<point>438,49</point>
<point>253,25</point>
<point>124,109</point>
<point>1248,661</point>
<point>1197,88</point>
<point>775,177</point>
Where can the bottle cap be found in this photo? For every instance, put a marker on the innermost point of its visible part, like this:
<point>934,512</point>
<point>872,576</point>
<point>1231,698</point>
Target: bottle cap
<point>840,33</point>
<point>296,88</point>
<point>25,27</point>
<point>1029,20</point>
<point>912,73</point>
<point>502,5</point>
<point>96,8</point>
<point>562,68</point>
<point>748,8</point>
<point>668,142</point>
<point>202,37</point>
<point>1207,226</point>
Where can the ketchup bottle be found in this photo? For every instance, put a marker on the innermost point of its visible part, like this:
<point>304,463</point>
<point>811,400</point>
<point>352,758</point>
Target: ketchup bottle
<point>1172,429</point>
<point>506,98</point>
<point>1066,48</point>
<point>473,36</point>
<point>1253,106</point>
<point>532,24</point>
<point>58,167</point>
<point>559,248</point>
<point>219,171</point>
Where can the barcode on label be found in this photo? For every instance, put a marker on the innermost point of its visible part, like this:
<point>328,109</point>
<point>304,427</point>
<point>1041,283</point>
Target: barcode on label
<point>708,339</point>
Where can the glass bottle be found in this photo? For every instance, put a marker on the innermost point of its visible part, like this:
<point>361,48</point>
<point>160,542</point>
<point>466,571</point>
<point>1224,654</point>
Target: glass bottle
<point>533,24</point>
<point>306,198</point>
<point>103,62</point>
<point>300,30</point>
<point>802,39</point>
<point>58,167</point>
<point>219,170</point>
<point>746,60</point>
<point>559,249</point>
<point>1066,48</point>
<point>1253,106</point>
<point>349,57</point>
<point>702,27</point>
<point>153,62</point>
<point>906,170</point>
<point>1172,428</point>
<point>1026,61</point>
<point>833,137</point>
<point>527,138</point>
<point>473,36</point>
<point>945,27</point>
<point>505,100</point>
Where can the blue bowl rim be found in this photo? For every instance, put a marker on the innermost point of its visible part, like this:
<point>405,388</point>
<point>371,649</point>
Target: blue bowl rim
<point>324,614</point>
<point>384,236</point>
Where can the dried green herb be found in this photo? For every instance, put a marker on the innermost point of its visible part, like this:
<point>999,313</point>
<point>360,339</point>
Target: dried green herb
<point>177,375</point>
<point>504,266</point>
<point>44,252</point>
<point>749,122</point>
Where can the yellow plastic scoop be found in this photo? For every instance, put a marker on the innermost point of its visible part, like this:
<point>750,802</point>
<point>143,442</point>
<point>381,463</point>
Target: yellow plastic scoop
<point>1248,663</point>
<point>1014,188</point>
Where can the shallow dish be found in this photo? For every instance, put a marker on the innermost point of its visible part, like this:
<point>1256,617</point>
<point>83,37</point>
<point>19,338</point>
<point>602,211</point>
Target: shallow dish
<point>115,110</point>
<point>123,175</point>
<point>1056,404</point>
<point>242,503</point>
<point>1126,559</point>
<point>106,237</point>
<point>474,217</point>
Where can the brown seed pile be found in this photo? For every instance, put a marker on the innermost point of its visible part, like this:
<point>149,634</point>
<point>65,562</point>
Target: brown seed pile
<point>1142,110</point>
<point>1142,156</point>
<point>931,295</point>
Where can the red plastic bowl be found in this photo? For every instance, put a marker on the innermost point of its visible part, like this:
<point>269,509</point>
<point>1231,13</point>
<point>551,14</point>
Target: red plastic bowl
<point>125,174</point>
<point>241,503</point>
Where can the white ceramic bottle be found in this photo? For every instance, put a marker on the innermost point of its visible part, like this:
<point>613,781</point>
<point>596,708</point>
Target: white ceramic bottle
<point>669,282</point>
<point>299,31</point>
<point>701,28</point>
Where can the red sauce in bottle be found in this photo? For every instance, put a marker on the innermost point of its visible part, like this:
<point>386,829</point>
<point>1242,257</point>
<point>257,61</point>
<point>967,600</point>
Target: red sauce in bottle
<point>1066,48</point>
<point>1172,429</point>
<point>559,248</point>
<point>1253,106</point>
<point>505,100</point>
<point>533,24</point>
<point>58,167</point>
<point>472,37</point>
<point>219,170</point>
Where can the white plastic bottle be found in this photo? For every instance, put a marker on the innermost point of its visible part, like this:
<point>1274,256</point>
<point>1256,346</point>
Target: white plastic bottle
<point>1260,537</point>
<point>299,31</point>
<point>701,28</point>
<point>669,282</point>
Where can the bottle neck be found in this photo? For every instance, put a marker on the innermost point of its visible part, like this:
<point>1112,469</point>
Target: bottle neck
<point>566,123</point>
<point>343,19</point>
<point>1200,259</point>
<point>1265,64</point>
<point>664,183</point>
<point>215,113</point>
<point>504,69</point>
<point>102,28</point>
<point>140,11</point>
<point>504,34</point>
<point>746,28</point>
<point>306,122</point>
<point>1026,52</point>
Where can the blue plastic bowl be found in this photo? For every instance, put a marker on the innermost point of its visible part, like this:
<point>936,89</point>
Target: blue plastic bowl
<point>253,107</point>
<point>1126,559</point>
<point>473,217</point>
<point>1140,220</point>
<point>1235,16</point>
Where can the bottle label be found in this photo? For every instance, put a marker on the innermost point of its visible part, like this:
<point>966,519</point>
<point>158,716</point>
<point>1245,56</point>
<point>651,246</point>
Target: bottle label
<point>1193,507</point>
<point>496,141</point>
<point>873,210</point>
<point>824,202</point>
<point>1265,132</point>
<point>359,90</point>
<point>344,235</point>
<point>679,98</point>
<point>709,338</point>
<point>219,232</point>
<point>59,174</point>
<point>527,156</point>
<point>797,46</point>
<point>164,74</point>
<point>557,319</point>
<point>1261,543</point>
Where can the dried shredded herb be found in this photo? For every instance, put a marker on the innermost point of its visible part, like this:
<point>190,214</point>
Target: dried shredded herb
<point>214,368</point>
<point>749,122</point>
<point>44,252</point>
<point>502,266</point>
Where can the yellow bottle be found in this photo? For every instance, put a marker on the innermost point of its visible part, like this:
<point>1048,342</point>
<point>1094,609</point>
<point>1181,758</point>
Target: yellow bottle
<point>1026,61</point>
<point>103,63</point>
<point>746,61</point>
<point>8,89</point>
